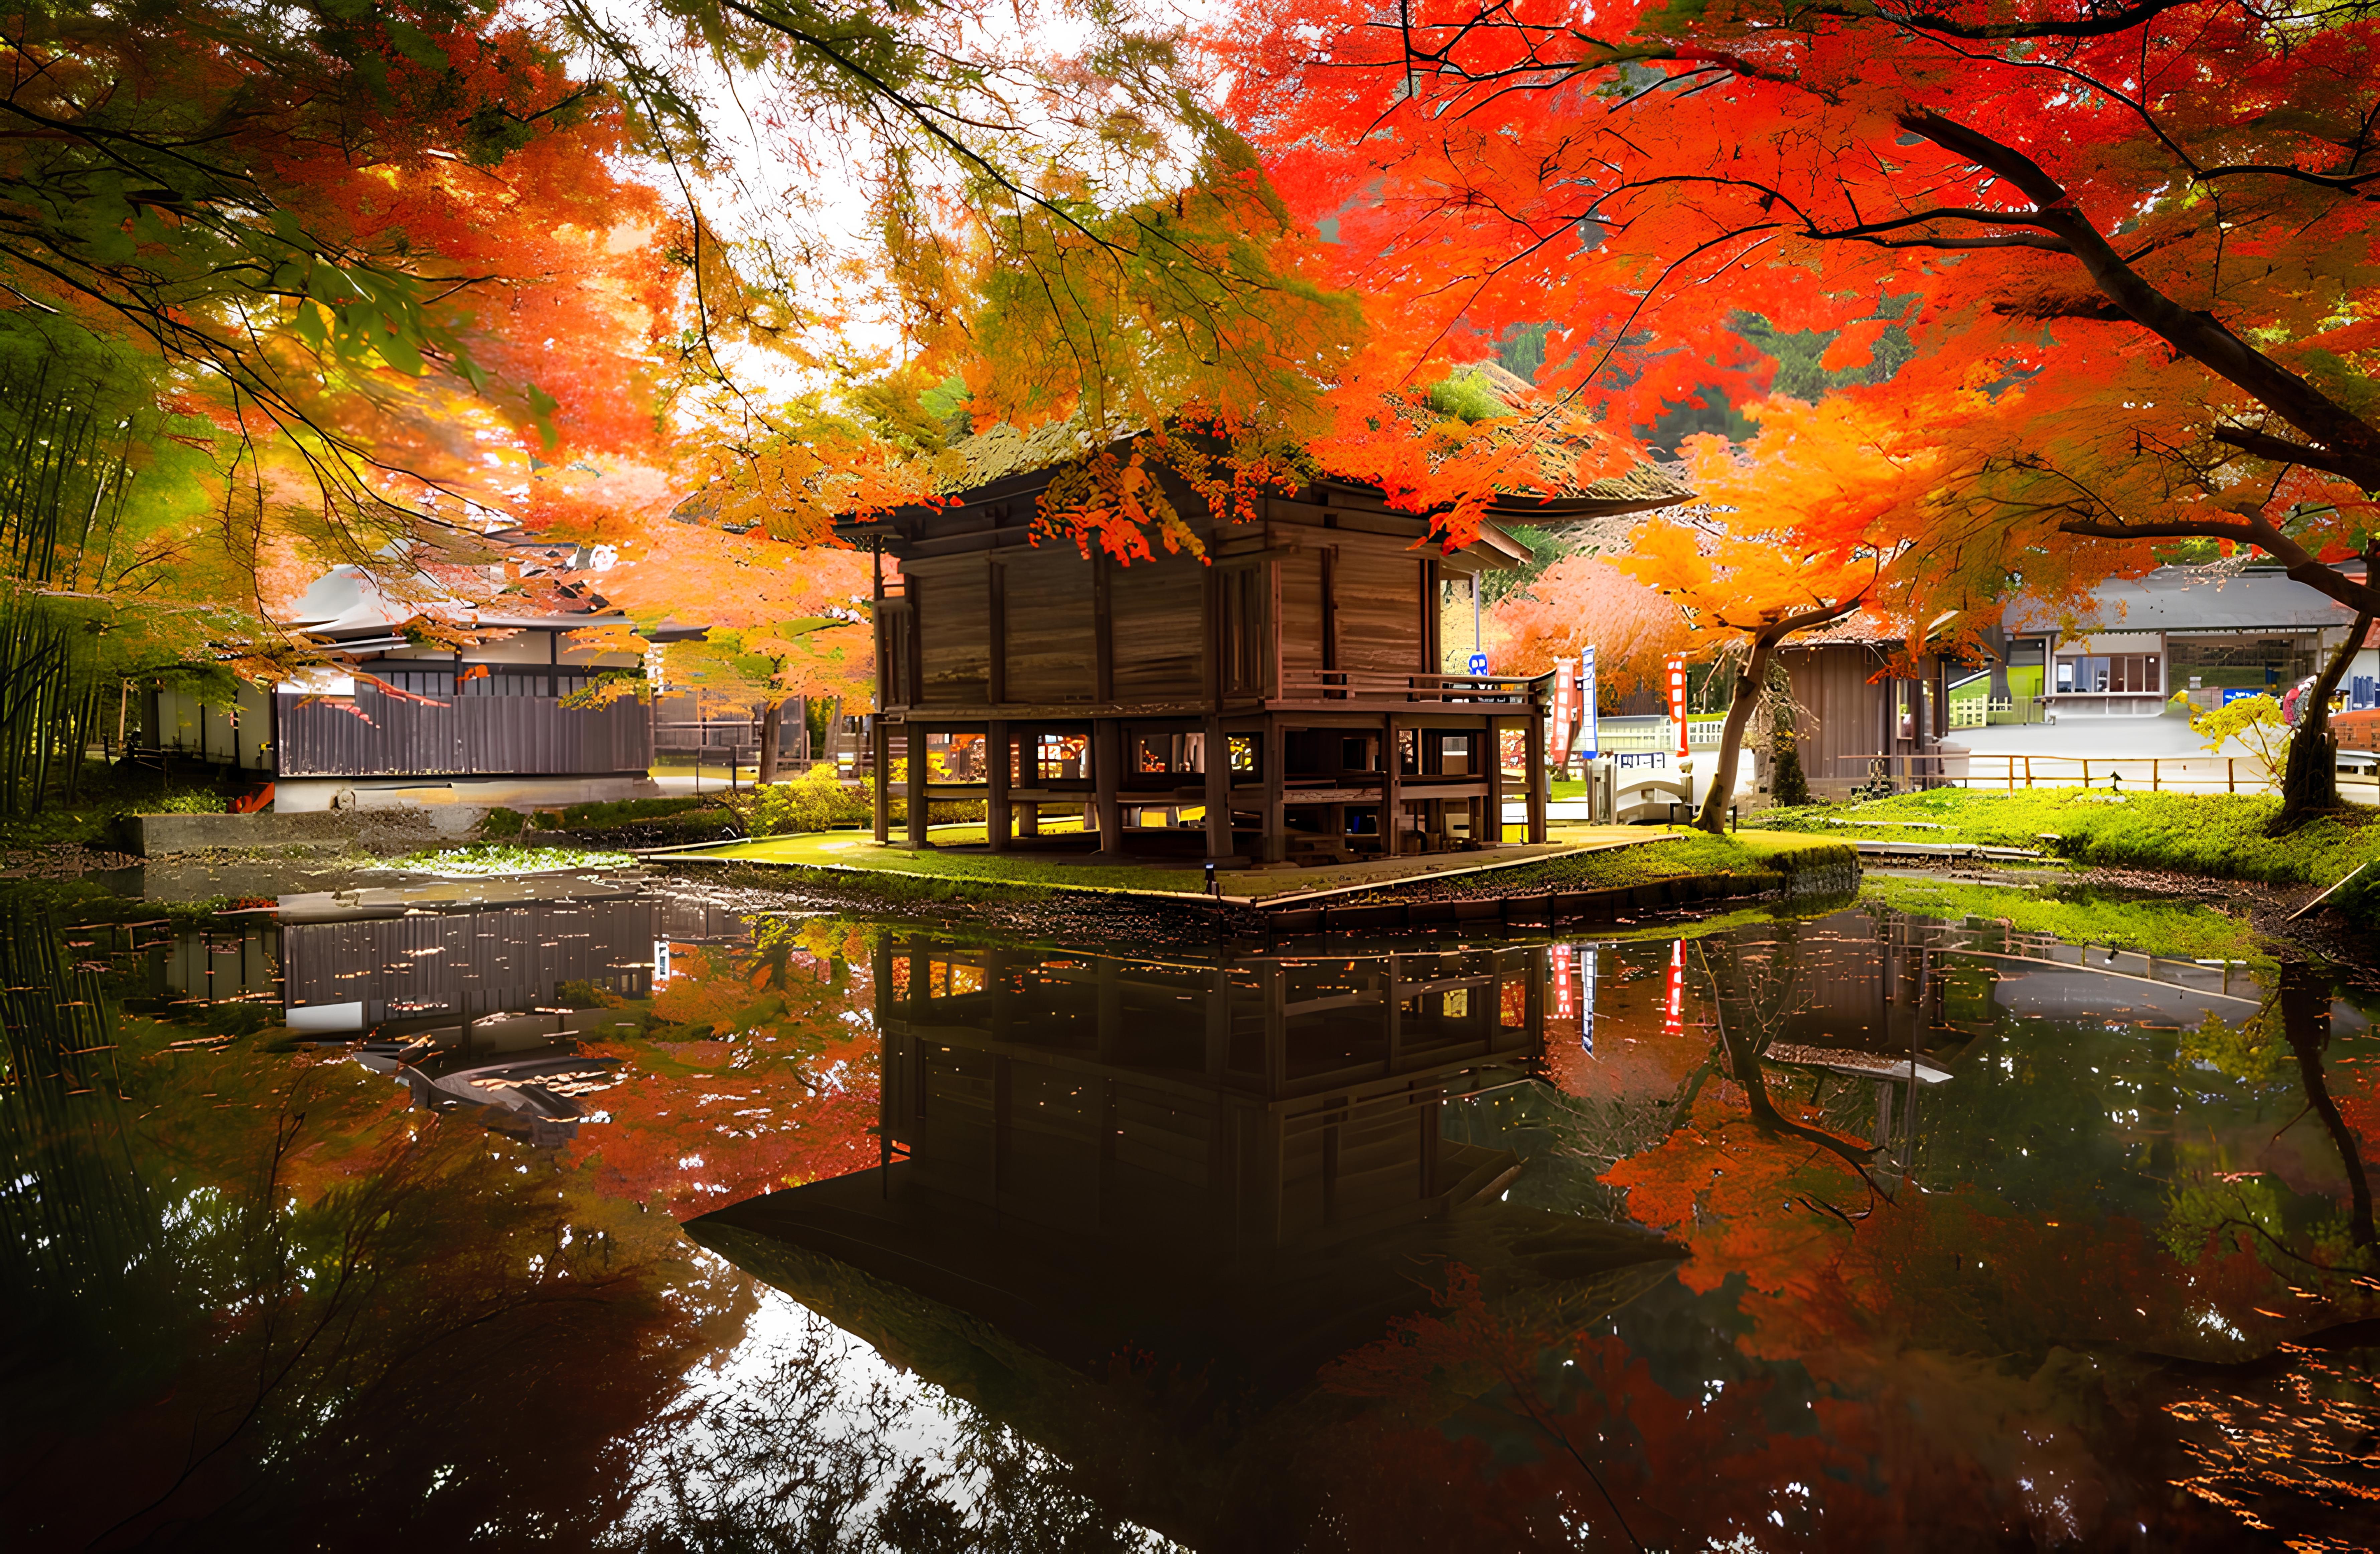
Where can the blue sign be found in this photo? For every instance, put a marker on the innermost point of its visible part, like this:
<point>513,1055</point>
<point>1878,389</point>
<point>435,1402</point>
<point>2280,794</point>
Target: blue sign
<point>2233,693</point>
<point>1479,664</point>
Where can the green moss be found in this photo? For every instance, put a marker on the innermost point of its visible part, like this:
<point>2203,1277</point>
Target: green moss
<point>1692,855</point>
<point>2079,917</point>
<point>2220,836</point>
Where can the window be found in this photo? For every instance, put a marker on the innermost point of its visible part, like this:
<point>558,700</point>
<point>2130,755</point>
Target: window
<point>1247,752</point>
<point>1060,757</point>
<point>1454,755</point>
<point>2117,673</point>
<point>1155,753</point>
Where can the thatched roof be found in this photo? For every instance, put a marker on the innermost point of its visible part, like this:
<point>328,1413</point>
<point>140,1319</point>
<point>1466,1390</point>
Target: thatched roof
<point>1001,450</point>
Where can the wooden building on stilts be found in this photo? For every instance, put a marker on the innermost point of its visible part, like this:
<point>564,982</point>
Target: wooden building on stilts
<point>1285,686</point>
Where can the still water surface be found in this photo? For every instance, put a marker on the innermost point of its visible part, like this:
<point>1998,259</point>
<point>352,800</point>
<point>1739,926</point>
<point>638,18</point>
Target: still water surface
<point>624,1221</point>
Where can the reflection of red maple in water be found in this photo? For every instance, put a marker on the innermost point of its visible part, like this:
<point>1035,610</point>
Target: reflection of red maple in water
<point>781,1090</point>
<point>1924,1369</point>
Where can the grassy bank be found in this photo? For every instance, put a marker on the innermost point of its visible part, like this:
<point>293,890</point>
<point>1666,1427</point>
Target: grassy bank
<point>2080,915</point>
<point>2219,836</point>
<point>1682,854</point>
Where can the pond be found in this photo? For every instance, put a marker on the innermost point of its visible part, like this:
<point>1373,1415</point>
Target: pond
<point>624,1220</point>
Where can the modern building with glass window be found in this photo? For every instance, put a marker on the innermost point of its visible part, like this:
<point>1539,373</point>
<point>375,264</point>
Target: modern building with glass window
<point>2216,636</point>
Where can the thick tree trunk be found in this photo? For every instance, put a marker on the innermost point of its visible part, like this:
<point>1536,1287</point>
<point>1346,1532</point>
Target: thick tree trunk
<point>2309,781</point>
<point>1748,683</point>
<point>773,724</point>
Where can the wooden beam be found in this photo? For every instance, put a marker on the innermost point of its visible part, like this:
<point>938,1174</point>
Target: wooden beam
<point>1533,762</point>
<point>1218,791</point>
<point>1102,628</point>
<point>1491,807</point>
<point>914,741</point>
<point>1275,845</point>
<point>995,674</point>
<point>1002,757</point>
<point>1107,770</point>
<point>880,737</point>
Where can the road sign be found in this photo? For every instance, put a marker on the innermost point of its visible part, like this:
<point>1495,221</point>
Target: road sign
<point>1479,664</point>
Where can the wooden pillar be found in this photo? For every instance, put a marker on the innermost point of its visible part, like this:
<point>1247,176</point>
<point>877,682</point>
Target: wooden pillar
<point>1109,1023</point>
<point>1106,772</point>
<point>1393,999</point>
<point>995,806</point>
<point>1533,762</point>
<point>1276,781</point>
<point>1028,773</point>
<point>913,740</point>
<point>1219,790</point>
<point>1392,804</point>
<point>880,737</point>
<point>1490,829</point>
<point>1219,1021</point>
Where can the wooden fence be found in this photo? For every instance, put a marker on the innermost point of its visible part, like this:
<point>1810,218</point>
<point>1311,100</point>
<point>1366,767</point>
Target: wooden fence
<point>2358,780</point>
<point>374,734</point>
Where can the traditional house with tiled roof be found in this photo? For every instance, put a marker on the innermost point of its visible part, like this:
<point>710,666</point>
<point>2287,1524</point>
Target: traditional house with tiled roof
<point>397,717</point>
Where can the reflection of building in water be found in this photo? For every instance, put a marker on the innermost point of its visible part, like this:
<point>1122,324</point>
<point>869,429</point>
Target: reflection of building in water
<point>1249,1102</point>
<point>1133,1208</point>
<point>528,1082</point>
<point>478,1007</point>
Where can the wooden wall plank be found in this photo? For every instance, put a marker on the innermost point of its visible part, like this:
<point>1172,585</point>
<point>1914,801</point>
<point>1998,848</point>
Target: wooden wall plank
<point>1052,626</point>
<point>1380,608</point>
<point>956,657</point>
<point>1157,608</point>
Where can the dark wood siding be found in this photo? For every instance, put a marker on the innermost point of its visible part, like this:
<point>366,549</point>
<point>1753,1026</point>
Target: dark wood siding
<point>475,736</point>
<point>1842,714</point>
<point>1301,617</point>
<point>1052,640</point>
<point>1158,606</point>
<point>1379,607</point>
<point>955,609</point>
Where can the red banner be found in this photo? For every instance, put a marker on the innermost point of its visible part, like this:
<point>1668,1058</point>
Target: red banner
<point>1678,703</point>
<point>1565,713</point>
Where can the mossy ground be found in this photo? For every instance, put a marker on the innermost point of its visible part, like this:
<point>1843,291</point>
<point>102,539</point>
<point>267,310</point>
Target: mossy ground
<point>2218,835</point>
<point>1684,854</point>
<point>2078,916</point>
<point>1629,855</point>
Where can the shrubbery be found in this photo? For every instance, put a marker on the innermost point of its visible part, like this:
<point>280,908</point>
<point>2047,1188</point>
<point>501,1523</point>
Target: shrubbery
<point>187,804</point>
<point>816,801</point>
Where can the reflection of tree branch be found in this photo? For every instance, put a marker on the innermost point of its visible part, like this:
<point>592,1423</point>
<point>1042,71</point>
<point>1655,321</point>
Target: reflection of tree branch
<point>1524,1390</point>
<point>2305,1023</point>
<point>1744,1063</point>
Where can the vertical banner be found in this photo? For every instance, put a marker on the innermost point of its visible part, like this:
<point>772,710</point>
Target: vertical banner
<point>1587,999</point>
<point>1677,704</point>
<point>1588,747</point>
<point>1673,1015</point>
<point>1565,710</point>
<point>1565,998</point>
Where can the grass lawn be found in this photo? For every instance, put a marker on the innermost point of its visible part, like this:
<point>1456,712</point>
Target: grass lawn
<point>2220,836</point>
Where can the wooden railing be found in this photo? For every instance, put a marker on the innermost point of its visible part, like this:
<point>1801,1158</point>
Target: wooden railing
<point>2359,776</point>
<point>1353,684</point>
